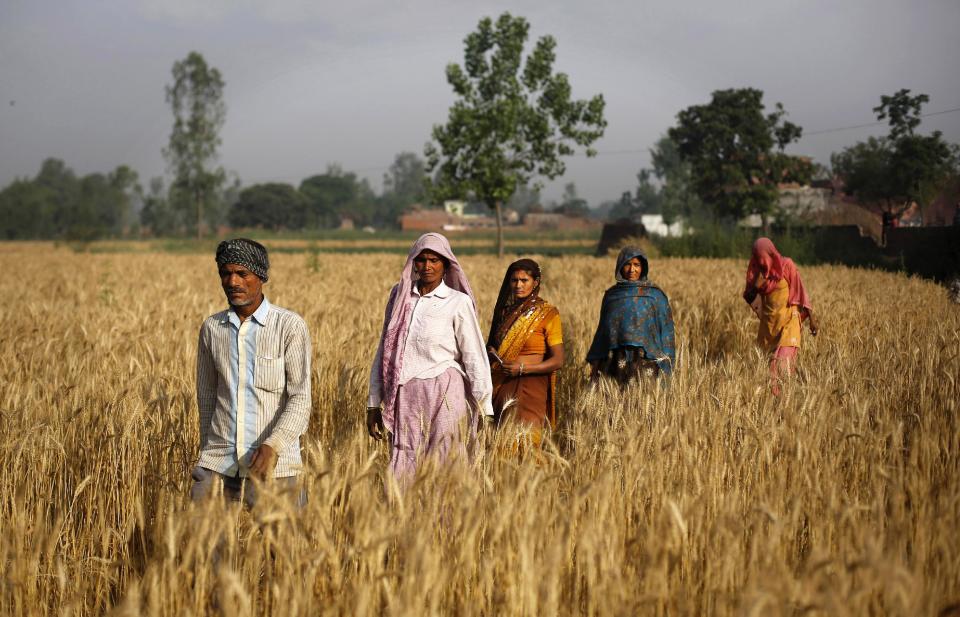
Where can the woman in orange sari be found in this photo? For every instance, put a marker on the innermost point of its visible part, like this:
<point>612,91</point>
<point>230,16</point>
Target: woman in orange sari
<point>776,294</point>
<point>526,351</point>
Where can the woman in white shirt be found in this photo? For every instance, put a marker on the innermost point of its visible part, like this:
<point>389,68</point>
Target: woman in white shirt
<point>431,370</point>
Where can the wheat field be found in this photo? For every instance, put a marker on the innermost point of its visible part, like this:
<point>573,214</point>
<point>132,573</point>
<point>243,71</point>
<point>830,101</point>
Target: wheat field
<point>705,497</point>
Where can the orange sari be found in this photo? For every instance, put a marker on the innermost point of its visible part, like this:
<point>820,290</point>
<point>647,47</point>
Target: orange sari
<point>530,398</point>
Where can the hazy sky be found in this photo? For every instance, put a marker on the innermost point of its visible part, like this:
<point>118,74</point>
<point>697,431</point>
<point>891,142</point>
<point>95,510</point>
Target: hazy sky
<point>310,83</point>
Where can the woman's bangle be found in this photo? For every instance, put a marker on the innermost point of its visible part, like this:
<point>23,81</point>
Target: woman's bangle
<point>521,369</point>
<point>372,409</point>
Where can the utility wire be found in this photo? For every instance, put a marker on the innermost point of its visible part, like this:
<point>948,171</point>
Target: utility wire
<point>805,133</point>
<point>861,126</point>
<point>646,150</point>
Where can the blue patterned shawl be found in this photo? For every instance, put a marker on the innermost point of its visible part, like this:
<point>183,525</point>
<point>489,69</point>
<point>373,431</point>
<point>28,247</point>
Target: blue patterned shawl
<point>635,315</point>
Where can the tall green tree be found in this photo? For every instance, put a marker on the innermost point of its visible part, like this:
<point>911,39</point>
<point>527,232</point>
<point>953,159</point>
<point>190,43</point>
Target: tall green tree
<point>272,206</point>
<point>525,199</point>
<point>735,151</point>
<point>336,194</point>
<point>901,168</point>
<point>513,119</point>
<point>678,197</point>
<point>403,186</point>
<point>405,178</point>
<point>26,211</point>
<point>196,99</point>
<point>157,215</point>
<point>572,204</point>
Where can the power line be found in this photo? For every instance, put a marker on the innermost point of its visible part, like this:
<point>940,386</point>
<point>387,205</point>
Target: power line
<point>646,150</point>
<point>805,133</point>
<point>861,126</point>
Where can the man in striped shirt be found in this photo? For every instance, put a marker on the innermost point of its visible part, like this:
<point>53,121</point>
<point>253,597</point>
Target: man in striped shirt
<point>253,382</point>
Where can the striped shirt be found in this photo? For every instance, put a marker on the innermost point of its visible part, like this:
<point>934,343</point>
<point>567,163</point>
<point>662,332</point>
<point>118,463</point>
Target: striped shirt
<point>253,388</point>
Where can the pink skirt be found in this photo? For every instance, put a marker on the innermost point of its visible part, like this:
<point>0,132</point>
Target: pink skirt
<point>433,419</point>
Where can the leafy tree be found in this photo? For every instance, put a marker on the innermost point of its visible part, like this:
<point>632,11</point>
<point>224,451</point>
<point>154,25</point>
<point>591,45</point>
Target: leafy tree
<point>525,199</point>
<point>405,177</point>
<point>59,213</point>
<point>513,118</point>
<point>625,208</point>
<point>57,204</point>
<point>899,169</point>
<point>678,197</point>
<point>271,206</point>
<point>665,189</point>
<point>902,112</point>
<point>196,98</point>
<point>403,186</point>
<point>572,204</point>
<point>157,215</point>
<point>26,211</point>
<point>335,194</point>
<point>648,199</point>
<point>735,152</point>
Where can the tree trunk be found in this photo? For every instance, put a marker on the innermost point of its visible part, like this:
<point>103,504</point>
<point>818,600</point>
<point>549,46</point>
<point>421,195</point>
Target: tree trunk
<point>196,196</point>
<point>765,220</point>
<point>499,210</point>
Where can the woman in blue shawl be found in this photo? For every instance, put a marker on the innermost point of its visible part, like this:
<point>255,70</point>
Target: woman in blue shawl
<point>635,333</point>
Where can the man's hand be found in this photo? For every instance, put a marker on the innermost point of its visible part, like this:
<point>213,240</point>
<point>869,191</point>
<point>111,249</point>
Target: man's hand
<point>263,462</point>
<point>375,426</point>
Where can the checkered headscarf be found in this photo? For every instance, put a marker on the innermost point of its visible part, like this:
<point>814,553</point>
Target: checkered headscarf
<point>247,253</point>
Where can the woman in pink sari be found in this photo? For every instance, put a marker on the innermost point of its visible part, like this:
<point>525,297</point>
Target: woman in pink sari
<point>431,373</point>
<point>775,292</point>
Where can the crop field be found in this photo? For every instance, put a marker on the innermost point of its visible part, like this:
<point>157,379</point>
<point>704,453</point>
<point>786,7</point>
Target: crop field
<point>707,496</point>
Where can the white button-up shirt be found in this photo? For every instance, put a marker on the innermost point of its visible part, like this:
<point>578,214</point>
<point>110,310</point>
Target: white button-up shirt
<point>443,333</point>
<point>253,388</point>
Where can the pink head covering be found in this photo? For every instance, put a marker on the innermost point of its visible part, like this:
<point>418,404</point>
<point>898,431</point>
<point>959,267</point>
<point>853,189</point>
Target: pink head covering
<point>767,260</point>
<point>399,309</point>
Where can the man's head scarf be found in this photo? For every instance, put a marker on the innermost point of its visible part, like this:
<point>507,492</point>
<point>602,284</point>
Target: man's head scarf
<point>244,252</point>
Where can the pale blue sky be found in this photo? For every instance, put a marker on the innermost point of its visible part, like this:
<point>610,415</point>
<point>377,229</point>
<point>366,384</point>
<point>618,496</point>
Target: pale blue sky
<point>310,83</point>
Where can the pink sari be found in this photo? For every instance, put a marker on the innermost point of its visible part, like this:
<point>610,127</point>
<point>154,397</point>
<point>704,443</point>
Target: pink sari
<point>424,416</point>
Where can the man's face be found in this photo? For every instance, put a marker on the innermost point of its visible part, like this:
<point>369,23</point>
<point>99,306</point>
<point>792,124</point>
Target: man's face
<point>241,286</point>
<point>428,266</point>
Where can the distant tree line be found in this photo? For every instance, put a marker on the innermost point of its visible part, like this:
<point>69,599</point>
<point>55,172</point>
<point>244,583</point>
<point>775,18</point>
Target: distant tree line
<point>57,203</point>
<point>724,160</point>
<point>512,123</point>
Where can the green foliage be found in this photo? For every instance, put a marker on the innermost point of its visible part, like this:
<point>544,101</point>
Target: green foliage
<point>572,204</point>
<point>665,189</point>
<point>899,169</point>
<point>721,240</point>
<point>648,199</point>
<point>272,206</point>
<point>735,152</point>
<point>403,186</point>
<point>513,118</point>
<point>405,178</point>
<point>525,199</point>
<point>624,208</point>
<point>57,204</point>
<point>335,194</point>
<point>157,215</point>
<point>901,111</point>
<point>196,99</point>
